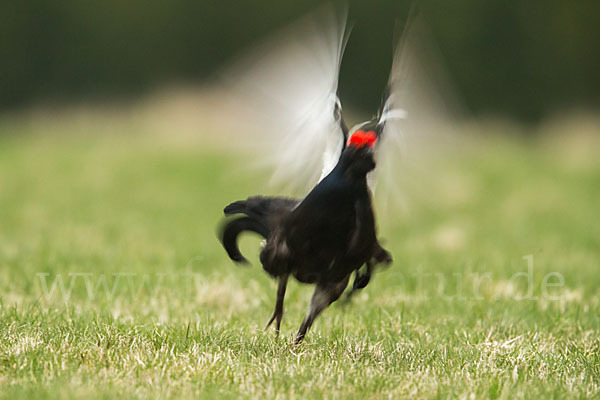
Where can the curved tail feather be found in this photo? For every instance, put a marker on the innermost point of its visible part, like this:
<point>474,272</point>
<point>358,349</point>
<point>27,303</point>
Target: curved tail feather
<point>233,228</point>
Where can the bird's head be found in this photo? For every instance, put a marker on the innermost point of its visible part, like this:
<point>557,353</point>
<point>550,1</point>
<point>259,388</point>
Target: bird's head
<point>358,155</point>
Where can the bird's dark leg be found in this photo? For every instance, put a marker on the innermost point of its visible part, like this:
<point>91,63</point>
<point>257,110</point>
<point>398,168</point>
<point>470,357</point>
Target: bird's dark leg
<point>360,280</point>
<point>278,313</point>
<point>380,256</point>
<point>323,296</point>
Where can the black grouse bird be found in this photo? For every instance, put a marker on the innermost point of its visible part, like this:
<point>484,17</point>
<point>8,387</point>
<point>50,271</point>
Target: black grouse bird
<point>330,234</point>
<point>322,239</point>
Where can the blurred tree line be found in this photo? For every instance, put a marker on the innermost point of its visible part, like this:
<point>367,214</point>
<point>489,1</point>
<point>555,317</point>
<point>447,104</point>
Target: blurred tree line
<point>518,58</point>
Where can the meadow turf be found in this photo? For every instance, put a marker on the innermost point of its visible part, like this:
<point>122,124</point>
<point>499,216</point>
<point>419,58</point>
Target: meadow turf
<point>112,282</point>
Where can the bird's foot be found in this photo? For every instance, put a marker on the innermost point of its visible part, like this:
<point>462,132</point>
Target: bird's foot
<point>277,316</point>
<point>299,339</point>
<point>383,256</point>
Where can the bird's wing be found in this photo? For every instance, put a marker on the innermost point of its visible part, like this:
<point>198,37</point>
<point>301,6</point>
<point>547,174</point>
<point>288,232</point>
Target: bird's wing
<point>416,123</point>
<point>288,87</point>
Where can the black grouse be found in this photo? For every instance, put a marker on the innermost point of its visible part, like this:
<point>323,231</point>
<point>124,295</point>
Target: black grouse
<point>320,240</point>
<point>291,89</point>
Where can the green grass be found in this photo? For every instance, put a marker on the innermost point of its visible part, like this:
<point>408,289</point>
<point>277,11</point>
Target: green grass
<point>444,321</point>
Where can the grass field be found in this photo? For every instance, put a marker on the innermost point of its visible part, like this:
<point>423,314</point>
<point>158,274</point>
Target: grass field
<point>112,283</point>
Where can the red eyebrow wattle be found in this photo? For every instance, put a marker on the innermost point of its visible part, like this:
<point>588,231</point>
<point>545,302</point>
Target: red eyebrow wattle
<point>361,138</point>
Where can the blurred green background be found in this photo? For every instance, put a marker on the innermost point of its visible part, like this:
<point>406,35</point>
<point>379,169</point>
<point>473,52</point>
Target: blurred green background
<point>521,59</point>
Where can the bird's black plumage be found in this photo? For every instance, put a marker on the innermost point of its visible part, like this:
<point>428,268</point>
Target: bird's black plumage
<point>320,240</point>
